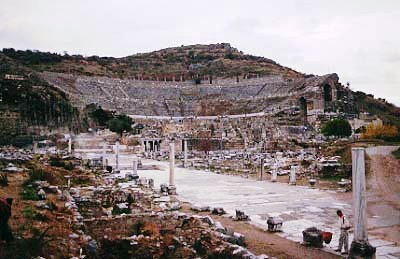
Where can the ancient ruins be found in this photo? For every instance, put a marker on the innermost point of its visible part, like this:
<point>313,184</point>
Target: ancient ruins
<point>210,166</point>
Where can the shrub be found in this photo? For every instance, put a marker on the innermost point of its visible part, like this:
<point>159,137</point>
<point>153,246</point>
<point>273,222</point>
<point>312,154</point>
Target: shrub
<point>3,179</point>
<point>29,193</point>
<point>118,211</point>
<point>36,174</point>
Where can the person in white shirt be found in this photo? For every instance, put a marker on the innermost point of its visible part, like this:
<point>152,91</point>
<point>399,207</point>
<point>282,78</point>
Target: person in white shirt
<point>344,234</point>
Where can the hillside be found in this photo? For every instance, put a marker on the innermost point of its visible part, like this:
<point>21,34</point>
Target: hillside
<point>29,105</point>
<point>195,80</point>
<point>388,112</point>
<point>219,60</point>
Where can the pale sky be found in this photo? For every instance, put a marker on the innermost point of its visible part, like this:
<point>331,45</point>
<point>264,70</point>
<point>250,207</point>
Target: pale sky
<point>358,39</point>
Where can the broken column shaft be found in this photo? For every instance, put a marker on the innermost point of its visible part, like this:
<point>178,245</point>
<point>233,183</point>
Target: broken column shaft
<point>292,179</point>
<point>360,245</point>
<point>274,176</point>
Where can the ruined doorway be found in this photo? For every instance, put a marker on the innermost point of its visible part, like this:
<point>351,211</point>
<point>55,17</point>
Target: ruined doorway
<point>327,93</point>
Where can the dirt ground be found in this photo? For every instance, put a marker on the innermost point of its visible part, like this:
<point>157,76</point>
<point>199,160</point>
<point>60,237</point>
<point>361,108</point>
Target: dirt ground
<point>259,241</point>
<point>383,193</point>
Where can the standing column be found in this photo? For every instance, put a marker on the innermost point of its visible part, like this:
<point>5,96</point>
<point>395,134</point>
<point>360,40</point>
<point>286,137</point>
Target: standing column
<point>117,155</point>
<point>262,168</point>
<point>360,245</point>
<point>135,165</point>
<point>35,147</point>
<point>70,145</point>
<point>274,175</point>
<point>171,187</point>
<point>185,147</point>
<point>292,179</point>
<point>104,156</point>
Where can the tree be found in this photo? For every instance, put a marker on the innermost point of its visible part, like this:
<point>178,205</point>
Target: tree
<point>120,124</point>
<point>98,114</point>
<point>337,127</point>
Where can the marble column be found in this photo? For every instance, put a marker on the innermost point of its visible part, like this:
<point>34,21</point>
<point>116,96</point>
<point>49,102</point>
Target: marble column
<point>171,187</point>
<point>69,145</point>
<point>104,156</point>
<point>360,245</point>
<point>274,176</point>
<point>135,165</point>
<point>261,168</point>
<point>292,179</point>
<point>35,147</point>
<point>117,155</point>
<point>185,147</point>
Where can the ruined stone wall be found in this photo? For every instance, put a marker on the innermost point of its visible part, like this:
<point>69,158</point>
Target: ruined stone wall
<point>223,96</point>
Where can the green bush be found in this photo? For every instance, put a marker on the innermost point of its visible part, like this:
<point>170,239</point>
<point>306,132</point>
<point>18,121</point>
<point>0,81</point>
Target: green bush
<point>120,124</point>
<point>118,211</point>
<point>3,179</point>
<point>337,127</point>
<point>30,213</point>
<point>29,193</point>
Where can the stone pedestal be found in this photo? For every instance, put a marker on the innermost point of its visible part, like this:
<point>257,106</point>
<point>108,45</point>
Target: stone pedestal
<point>292,179</point>
<point>171,187</point>
<point>360,246</point>
<point>117,155</point>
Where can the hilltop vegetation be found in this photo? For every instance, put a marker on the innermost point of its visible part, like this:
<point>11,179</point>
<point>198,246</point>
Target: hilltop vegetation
<point>219,60</point>
<point>389,113</point>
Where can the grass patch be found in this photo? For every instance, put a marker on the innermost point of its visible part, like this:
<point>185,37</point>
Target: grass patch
<point>58,162</point>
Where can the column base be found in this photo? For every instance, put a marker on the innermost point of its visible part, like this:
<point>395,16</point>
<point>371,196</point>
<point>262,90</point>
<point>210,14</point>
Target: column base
<point>361,248</point>
<point>172,190</point>
<point>292,183</point>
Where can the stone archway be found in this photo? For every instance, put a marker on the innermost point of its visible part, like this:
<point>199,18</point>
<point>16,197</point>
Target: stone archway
<point>303,109</point>
<point>327,93</point>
